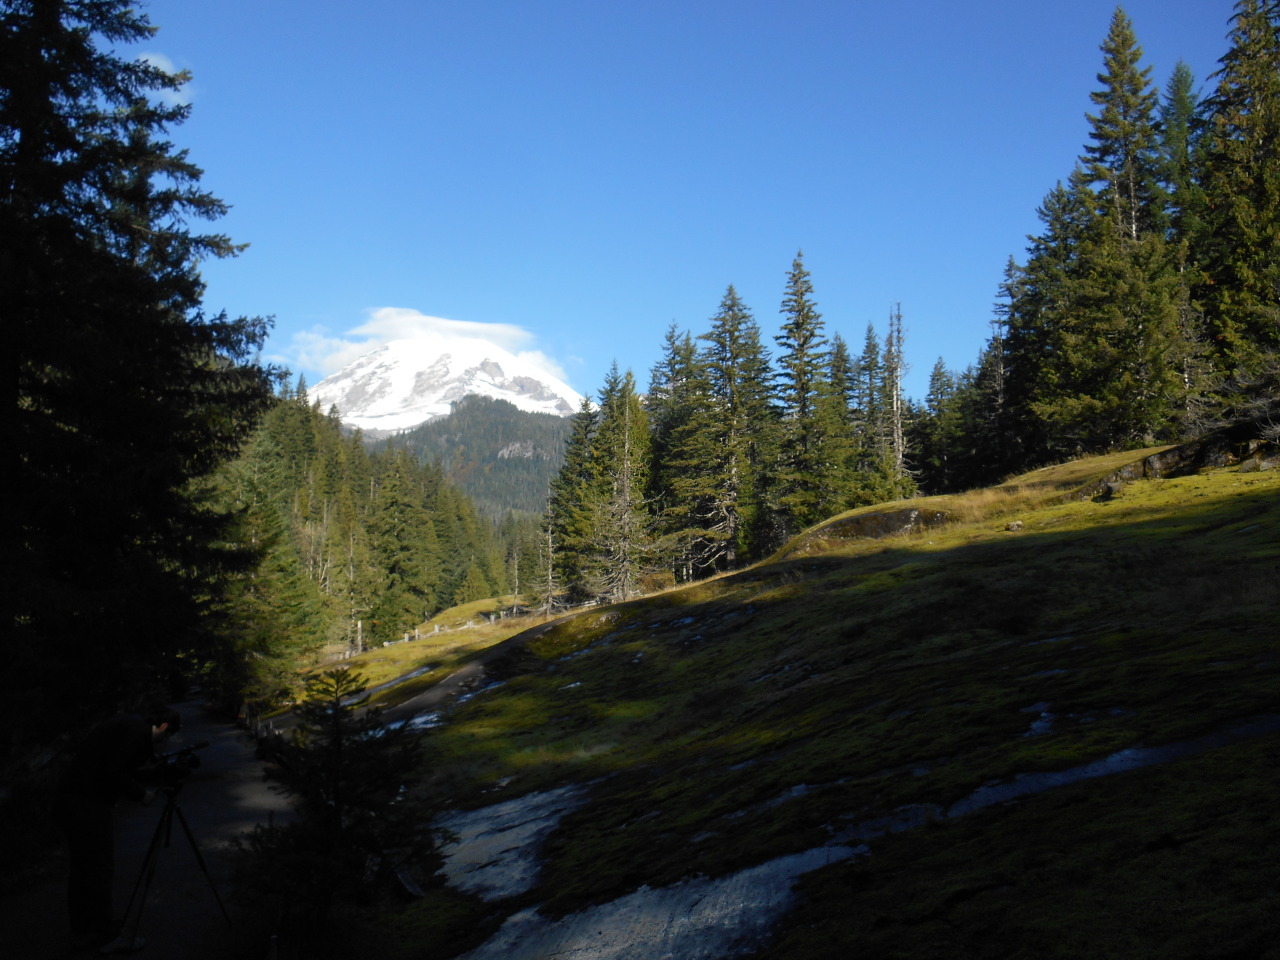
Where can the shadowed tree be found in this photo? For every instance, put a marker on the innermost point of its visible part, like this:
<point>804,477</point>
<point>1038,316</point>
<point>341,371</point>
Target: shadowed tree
<point>128,391</point>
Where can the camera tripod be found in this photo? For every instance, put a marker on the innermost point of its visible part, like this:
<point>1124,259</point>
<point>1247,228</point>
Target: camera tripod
<point>162,835</point>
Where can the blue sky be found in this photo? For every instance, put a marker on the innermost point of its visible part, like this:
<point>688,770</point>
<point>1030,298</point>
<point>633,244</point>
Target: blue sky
<point>579,174</point>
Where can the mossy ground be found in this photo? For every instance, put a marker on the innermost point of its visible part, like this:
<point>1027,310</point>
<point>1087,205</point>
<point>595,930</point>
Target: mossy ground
<point>446,642</point>
<point>746,717</point>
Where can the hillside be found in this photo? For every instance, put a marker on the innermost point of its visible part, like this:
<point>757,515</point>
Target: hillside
<point>1047,726</point>
<point>502,457</point>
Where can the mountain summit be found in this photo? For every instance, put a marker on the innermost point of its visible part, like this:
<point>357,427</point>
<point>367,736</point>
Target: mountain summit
<point>408,382</point>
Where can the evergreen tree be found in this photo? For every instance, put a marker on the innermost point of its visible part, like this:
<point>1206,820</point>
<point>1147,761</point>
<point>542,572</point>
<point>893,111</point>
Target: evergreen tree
<point>598,518</point>
<point>669,405</point>
<point>621,450</point>
<point>1238,248</point>
<point>1123,157</point>
<point>1041,306</point>
<point>1118,351</point>
<point>870,453</point>
<point>739,376</point>
<point>404,550</point>
<point>574,505</point>
<point>352,781</point>
<point>985,435</point>
<point>677,410</point>
<point>127,390</point>
<point>1181,156</point>
<point>1179,153</point>
<point>802,358</point>
<point>844,374</point>
<point>1117,360</point>
<point>1094,340</point>
<point>475,586</point>
<point>809,479</point>
<point>937,433</point>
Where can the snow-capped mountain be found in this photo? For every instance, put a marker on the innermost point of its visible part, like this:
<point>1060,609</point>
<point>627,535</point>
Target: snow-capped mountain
<point>407,382</point>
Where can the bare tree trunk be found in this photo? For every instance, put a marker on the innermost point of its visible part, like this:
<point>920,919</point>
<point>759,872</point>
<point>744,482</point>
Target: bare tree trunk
<point>894,369</point>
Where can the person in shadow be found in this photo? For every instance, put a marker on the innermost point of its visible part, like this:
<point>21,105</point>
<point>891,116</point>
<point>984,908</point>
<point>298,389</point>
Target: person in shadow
<point>105,766</point>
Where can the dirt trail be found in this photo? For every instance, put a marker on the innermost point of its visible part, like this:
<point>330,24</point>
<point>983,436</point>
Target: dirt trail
<point>223,797</point>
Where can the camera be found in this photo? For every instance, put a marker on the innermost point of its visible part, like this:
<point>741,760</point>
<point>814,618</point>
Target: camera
<point>173,768</point>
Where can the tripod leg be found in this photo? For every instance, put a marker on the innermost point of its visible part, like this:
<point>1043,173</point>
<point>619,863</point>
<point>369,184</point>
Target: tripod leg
<point>195,848</point>
<point>148,871</point>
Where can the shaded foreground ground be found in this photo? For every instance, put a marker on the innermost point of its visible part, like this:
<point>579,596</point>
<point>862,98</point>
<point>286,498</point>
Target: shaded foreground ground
<point>224,797</point>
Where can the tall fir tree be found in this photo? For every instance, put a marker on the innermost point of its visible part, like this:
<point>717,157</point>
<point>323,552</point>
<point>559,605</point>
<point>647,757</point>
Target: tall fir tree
<point>404,547</point>
<point>1128,346</point>
<point>574,504</point>
<point>740,376</point>
<point>115,562</point>
<point>844,374</point>
<point>938,431</point>
<point>1110,342</point>
<point>1238,249</point>
<point>1179,153</point>
<point>712,457</point>
<point>1123,155</point>
<point>697,516</point>
<point>622,451</point>
<point>1039,313</point>
<point>809,478</point>
<point>1181,158</point>
<point>669,405</point>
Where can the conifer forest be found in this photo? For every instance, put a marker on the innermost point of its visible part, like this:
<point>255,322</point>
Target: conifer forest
<point>180,513</point>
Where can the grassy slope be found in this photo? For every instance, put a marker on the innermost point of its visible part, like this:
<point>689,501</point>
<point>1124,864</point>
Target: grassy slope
<point>747,717</point>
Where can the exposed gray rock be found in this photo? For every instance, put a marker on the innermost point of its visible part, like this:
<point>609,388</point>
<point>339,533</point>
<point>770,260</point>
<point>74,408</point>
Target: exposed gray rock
<point>875,525</point>
<point>1109,490</point>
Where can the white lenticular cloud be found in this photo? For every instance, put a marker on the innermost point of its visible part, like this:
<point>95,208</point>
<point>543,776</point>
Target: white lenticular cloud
<point>315,350</point>
<point>400,323</point>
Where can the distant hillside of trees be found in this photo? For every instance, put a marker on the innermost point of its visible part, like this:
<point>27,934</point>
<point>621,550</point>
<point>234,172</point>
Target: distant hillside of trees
<point>357,545</point>
<point>728,454</point>
<point>502,457</point>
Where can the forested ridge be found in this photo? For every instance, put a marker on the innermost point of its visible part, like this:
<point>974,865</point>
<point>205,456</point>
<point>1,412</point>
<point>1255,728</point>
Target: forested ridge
<point>357,546</point>
<point>499,455</point>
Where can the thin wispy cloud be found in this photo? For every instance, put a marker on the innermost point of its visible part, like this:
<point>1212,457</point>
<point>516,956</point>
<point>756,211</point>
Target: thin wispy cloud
<point>175,98</point>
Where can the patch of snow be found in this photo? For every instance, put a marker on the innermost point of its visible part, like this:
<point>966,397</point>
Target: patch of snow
<point>1120,762</point>
<point>410,381</point>
<point>701,919</point>
<point>423,721</point>
<point>493,852</point>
